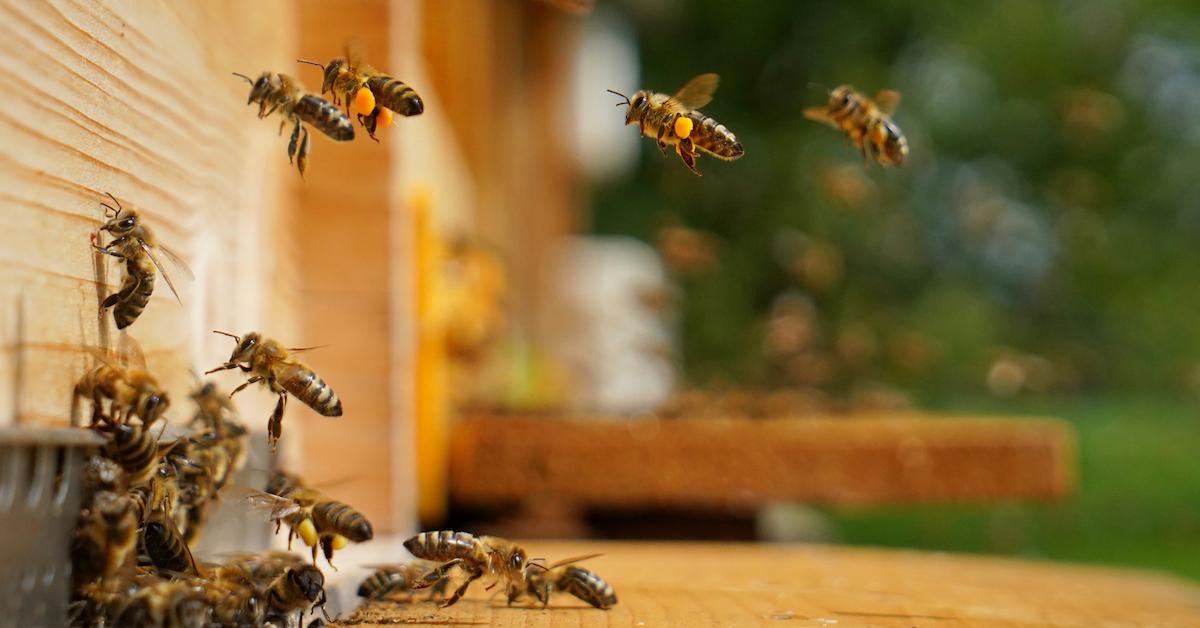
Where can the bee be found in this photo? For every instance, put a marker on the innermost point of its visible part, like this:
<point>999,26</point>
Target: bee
<point>270,363</point>
<point>135,244</point>
<point>867,123</point>
<point>261,569</point>
<point>565,577</point>
<point>319,521</point>
<point>105,539</point>
<point>281,92</point>
<point>675,121</point>
<point>134,448</point>
<point>389,581</point>
<point>296,590</point>
<point>166,547</point>
<point>167,603</point>
<point>475,555</point>
<point>130,393</point>
<point>375,95</point>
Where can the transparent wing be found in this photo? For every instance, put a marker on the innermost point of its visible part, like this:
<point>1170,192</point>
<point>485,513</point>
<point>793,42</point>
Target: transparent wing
<point>161,270</point>
<point>887,100</point>
<point>271,505</point>
<point>574,559</point>
<point>819,114</point>
<point>299,349</point>
<point>695,93</point>
<point>130,352</point>
<point>178,262</point>
<point>356,51</point>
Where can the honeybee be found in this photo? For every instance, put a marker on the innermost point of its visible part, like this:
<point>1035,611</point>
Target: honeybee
<point>563,576</point>
<point>260,568</point>
<point>319,521</point>
<point>867,123</point>
<point>475,555</point>
<point>135,244</point>
<point>105,539</point>
<point>270,363</point>
<point>296,591</point>
<point>675,121</point>
<point>281,92</point>
<point>375,95</point>
<point>166,547</point>
<point>172,604</point>
<point>130,393</point>
<point>389,581</point>
<point>134,448</point>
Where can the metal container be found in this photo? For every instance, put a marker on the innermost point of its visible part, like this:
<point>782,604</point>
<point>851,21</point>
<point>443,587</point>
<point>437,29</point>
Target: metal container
<point>40,491</point>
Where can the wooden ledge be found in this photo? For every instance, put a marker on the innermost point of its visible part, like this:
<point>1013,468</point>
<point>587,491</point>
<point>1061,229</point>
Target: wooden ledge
<point>678,585</point>
<point>702,463</point>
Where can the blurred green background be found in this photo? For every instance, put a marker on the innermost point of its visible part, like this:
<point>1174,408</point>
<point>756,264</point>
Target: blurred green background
<point>1036,254</point>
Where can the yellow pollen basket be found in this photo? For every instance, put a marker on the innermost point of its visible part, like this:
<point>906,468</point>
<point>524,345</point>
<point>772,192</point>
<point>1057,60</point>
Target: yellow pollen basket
<point>307,532</point>
<point>364,101</point>
<point>340,541</point>
<point>384,119</point>
<point>683,127</point>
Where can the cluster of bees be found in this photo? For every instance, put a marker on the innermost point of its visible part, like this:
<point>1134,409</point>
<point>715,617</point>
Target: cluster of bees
<point>147,496</point>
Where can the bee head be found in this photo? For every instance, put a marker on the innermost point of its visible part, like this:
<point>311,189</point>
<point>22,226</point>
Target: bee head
<point>120,220</point>
<point>308,580</point>
<point>840,98</point>
<point>516,563</point>
<point>262,87</point>
<point>334,73</point>
<point>151,406</point>
<point>637,104</point>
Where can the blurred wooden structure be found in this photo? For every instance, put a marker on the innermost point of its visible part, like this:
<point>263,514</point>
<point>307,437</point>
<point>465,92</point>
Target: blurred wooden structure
<point>686,585</point>
<point>741,464</point>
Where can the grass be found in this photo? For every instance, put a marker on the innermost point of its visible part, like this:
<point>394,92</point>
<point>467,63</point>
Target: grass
<point>1138,503</point>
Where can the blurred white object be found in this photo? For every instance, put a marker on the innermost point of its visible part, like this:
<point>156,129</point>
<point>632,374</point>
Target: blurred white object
<point>616,341</point>
<point>606,58</point>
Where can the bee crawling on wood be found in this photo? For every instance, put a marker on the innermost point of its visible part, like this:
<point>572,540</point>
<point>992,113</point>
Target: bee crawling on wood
<point>394,582</point>
<point>867,123</point>
<point>135,244</point>
<point>475,555</point>
<point>675,121</point>
<point>273,91</point>
<point>564,576</point>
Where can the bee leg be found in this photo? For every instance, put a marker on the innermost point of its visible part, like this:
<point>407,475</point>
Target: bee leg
<point>275,425</point>
<point>436,575</point>
<point>689,157</point>
<point>281,123</point>
<point>474,573</point>
<point>302,156</point>
<point>292,143</point>
<point>252,380</point>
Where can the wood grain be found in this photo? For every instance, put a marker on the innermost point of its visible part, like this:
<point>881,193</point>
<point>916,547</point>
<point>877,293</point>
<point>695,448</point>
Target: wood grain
<point>688,585</point>
<point>646,462</point>
<point>135,99</point>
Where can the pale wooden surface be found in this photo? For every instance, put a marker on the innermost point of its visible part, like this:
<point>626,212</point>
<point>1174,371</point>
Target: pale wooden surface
<point>690,585</point>
<point>645,462</point>
<point>136,99</point>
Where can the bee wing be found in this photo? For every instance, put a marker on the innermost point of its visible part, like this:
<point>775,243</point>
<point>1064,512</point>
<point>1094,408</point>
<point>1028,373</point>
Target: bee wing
<point>819,114</point>
<point>178,262</point>
<point>887,100</point>
<point>162,271</point>
<point>574,559</point>
<point>275,507</point>
<point>355,51</point>
<point>299,349</point>
<point>695,93</point>
<point>130,352</point>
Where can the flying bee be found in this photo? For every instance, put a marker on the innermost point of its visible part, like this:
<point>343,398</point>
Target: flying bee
<point>564,576</point>
<point>319,521</point>
<point>675,121</point>
<point>105,539</point>
<point>135,244</point>
<point>272,364</point>
<point>374,95</point>
<point>391,581</point>
<point>281,92</point>
<point>476,555</point>
<point>867,123</point>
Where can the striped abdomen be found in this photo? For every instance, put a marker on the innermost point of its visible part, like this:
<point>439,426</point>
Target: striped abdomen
<point>713,138</point>
<point>166,548</point>
<point>324,117</point>
<point>384,582</point>
<point>588,587</point>
<point>302,382</point>
<point>135,449</point>
<point>332,517</point>
<point>139,280</point>
<point>395,95</point>
<point>441,545</point>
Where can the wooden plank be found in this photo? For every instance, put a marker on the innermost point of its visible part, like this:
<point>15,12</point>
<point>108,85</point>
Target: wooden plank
<point>689,585</point>
<point>644,462</point>
<point>135,99</point>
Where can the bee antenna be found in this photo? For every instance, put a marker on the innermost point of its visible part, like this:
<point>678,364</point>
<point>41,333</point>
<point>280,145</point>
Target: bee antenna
<point>311,63</point>
<point>621,95</point>
<point>115,211</point>
<point>248,79</point>
<point>225,333</point>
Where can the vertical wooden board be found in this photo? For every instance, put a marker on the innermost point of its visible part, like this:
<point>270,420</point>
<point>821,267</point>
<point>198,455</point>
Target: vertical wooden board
<point>135,99</point>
